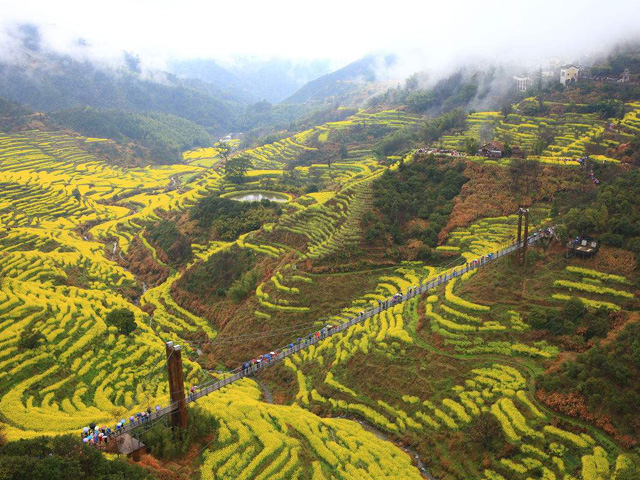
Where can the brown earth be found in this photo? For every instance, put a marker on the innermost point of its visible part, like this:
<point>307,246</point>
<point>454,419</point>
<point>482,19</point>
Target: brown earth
<point>141,262</point>
<point>574,405</point>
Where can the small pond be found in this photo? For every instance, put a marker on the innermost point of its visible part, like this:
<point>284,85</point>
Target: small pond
<point>257,196</point>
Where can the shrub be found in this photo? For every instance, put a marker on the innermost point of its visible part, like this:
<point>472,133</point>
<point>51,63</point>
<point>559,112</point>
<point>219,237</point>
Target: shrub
<point>592,288</point>
<point>607,277</point>
<point>167,443</point>
<point>30,339</point>
<point>62,457</point>
<point>230,219</point>
<point>123,319</point>
<point>509,432</point>
<point>176,246</point>
<point>461,302</point>
<point>568,436</point>
<point>239,289</point>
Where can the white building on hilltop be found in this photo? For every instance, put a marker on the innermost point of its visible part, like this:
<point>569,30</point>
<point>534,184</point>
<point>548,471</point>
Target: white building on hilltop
<point>625,77</point>
<point>569,74</point>
<point>522,83</point>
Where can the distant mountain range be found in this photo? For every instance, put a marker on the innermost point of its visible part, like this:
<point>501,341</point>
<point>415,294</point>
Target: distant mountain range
<point>272,80</point>
<point>50,82</point>
<point>191,104</point>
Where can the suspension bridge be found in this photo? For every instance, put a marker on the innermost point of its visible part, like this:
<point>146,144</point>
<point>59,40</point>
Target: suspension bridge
<point>176,411</point>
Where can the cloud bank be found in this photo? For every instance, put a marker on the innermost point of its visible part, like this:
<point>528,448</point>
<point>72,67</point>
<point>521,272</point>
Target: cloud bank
<point>429,35</point>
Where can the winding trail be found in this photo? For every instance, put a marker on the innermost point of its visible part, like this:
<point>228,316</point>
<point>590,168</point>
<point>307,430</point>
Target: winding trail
<point>414,455</point>
<point>268,396</point>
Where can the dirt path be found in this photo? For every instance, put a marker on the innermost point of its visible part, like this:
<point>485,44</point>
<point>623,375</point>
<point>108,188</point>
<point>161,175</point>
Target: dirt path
<point>414,455</point>
<point>268,397</point>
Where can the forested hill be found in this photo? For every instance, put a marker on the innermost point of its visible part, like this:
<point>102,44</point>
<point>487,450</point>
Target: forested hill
<point>54,82</point>
<point>491,86</point>
<point>12,109</point>
<point>342,83</point>
<point>164,137</point>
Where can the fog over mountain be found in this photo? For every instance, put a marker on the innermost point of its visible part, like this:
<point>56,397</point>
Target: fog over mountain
<point>271,79</point>
<point>282,34</point>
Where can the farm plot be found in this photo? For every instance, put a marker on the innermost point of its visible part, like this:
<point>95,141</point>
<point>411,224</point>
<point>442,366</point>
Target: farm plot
<point>573,133</point>
<point>594,289</point>
<point>274,439</point>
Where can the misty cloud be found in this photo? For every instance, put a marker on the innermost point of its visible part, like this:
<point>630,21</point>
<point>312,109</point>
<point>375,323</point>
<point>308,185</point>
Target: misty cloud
<point>434,36</point>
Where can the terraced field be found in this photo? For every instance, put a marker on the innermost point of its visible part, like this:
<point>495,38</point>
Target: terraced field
<point>68,218</point>
<point>573,133</point>
<point>60,278</point>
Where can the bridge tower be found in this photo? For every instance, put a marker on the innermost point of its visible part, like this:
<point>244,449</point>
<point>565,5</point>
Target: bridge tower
<point>525,237</point>
<point>176,385</point>
<point>517,255</point>
<point>521,253</point>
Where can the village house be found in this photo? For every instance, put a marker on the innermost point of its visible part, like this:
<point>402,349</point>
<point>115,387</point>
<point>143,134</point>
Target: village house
<point>569,74</point>
<point>625,77</point>
<point>492,150</point>
<point>498,150</point>
<point>522,83</point>
<point>516,152</point>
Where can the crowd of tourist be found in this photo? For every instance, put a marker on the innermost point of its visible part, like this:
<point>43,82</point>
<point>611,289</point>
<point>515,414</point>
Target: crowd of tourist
<point>96,435</point>
<point>442,151</point>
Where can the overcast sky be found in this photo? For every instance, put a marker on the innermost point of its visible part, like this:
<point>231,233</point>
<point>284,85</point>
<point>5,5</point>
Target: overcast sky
<point>434,32</point>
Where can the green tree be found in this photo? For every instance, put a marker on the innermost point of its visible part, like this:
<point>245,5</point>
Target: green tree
<point>167,443</point>
<point>224,149</point>
<point>539,146</point>
<point>631,472</point>
<point>30,339</point>
<point>123,319</point>
<point>239,289</point>
<point>421,100</point>
<point>167,236</point>
<point>574,310</point>
<point>486,432</point>
<point>471,146</point>
<point>508,150</point>
<point>506,109</point>
<point>62,457</point>
<point>236,168</point>
<point>412,82</point>
<point>434,128</point>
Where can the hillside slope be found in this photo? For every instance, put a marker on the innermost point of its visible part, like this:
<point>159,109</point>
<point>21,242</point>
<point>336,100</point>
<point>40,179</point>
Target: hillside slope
<point>46,81</point>
<point>449,376</point>
<point>342,83</point>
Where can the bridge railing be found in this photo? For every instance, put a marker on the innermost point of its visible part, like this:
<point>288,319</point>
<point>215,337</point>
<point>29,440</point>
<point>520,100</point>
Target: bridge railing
<point>284,352</point>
